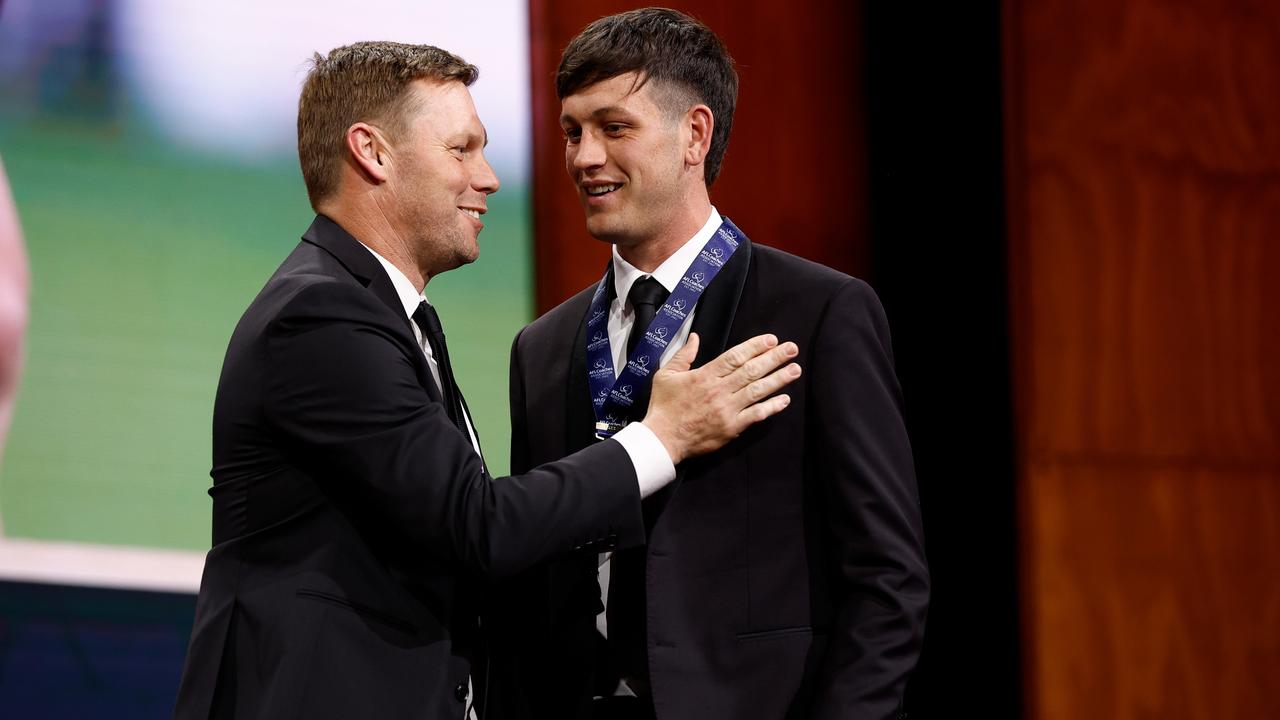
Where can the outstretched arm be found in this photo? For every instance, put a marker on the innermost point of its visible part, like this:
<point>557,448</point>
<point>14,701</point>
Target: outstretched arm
<point>348,404</point>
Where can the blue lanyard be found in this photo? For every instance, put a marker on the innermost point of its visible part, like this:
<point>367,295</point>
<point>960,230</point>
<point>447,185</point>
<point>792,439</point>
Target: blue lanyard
<point>612,399</point>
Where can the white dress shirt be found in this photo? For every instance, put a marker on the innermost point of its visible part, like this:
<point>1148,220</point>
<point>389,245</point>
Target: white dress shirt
<point>622,316</point>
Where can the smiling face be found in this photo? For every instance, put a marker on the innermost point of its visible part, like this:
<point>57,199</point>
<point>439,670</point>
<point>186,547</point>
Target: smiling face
<point>438,178</point>
<point>628,158</point>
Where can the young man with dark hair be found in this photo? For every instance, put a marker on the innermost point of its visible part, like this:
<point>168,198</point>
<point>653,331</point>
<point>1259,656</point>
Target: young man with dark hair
<point>784,575</point>
<point>352,511</point>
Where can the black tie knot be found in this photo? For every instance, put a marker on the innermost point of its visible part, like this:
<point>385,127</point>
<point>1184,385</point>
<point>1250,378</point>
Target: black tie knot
<point>428,320</point>
<point>648,295</point>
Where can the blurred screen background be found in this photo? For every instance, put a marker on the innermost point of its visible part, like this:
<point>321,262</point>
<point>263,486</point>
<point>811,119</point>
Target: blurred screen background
<point>150,145</point>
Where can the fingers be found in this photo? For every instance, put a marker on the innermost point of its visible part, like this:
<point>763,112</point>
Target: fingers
<point>762,364</point>
<point>757,390</point>
<point>751,397</point>
<point>683,359</point>
<point>753,414</point>
<point>738,355</point>
<point>722,399</point>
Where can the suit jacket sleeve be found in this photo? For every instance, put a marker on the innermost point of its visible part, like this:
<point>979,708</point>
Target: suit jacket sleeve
<point>880,576</point>
<point>345,393</point>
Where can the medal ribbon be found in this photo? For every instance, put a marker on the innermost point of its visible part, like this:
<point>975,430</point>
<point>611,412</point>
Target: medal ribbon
<point>612,398</point>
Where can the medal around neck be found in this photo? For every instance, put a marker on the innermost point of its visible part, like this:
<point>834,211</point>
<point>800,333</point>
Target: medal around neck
<point>613,394</point>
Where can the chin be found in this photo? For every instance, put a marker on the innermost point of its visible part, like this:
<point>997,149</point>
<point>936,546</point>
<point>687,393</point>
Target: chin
<point>465,258</point>
<point>605,230</point>
<point>469,255</point>
<point>461,256</point>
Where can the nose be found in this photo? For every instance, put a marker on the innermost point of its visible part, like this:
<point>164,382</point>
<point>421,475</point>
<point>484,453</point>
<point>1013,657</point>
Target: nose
<point>587,153</point>
<point>484,179</point>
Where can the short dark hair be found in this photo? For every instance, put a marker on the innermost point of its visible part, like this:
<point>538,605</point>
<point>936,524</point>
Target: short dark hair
<point>365,81</point>
<point>665,46</point>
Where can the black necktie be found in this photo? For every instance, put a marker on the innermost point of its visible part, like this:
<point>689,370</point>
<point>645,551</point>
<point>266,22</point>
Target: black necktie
<point>625,610</point>
<point>429,322</point>
<point>646,296</point>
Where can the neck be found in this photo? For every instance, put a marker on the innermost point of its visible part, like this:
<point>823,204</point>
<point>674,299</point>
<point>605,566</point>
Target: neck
<point>368,223</point>
<point>647,254</point>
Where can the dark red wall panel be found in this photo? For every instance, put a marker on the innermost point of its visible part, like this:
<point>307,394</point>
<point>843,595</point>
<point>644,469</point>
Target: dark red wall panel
<point>795,173</point>
<point>1144,178</point>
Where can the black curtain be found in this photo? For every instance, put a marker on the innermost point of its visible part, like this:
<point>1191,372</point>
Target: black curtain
<point>938,261</point>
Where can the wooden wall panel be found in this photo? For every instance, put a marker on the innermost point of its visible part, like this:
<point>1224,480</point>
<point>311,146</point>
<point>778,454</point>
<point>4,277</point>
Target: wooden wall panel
<point>1155,591</point>
<point>1144,208</point>
<point>794,176</point>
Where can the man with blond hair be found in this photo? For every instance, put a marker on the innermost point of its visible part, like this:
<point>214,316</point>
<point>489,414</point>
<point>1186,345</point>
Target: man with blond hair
<point>352,512</point>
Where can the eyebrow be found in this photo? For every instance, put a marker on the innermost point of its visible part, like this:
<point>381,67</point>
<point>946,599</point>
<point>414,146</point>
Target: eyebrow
<point>465,137</point>
<point>607,110</point>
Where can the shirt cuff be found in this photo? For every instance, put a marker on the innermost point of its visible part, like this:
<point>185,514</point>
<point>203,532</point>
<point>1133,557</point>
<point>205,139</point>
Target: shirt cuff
<point>653,465</point>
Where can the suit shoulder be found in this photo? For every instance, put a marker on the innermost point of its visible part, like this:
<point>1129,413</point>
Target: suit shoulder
<point>323,295</point>
<point>305,289</point>
<point>782,269</point>
<point>302,294</point>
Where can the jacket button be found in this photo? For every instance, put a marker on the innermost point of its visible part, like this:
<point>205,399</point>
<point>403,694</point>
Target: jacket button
<point>460,692</point>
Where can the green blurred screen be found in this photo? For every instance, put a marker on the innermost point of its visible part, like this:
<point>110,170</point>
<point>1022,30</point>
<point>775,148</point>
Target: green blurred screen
<point>144,251</point>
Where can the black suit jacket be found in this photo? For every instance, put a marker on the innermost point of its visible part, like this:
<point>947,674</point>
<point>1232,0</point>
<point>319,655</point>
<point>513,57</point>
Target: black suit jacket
<point>785,573</point>
<point>351,517</point>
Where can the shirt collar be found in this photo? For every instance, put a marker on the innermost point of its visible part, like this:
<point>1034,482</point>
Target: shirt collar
<point>671,269</point>
<point>408,294</point>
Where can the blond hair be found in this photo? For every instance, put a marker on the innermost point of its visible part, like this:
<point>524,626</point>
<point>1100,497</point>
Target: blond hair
<point>362,82</point>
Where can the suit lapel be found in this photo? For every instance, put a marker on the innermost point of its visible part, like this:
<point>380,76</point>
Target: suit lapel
<point>364,267</point>
<point>357,259</point>
<point>714,314</point>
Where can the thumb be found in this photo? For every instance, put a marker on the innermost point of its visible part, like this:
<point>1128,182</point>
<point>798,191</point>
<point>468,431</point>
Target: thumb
<point>683,360</point>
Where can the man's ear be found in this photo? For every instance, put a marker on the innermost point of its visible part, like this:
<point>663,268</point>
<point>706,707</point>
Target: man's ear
<point>367,149</point>
<point>701,123</point>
